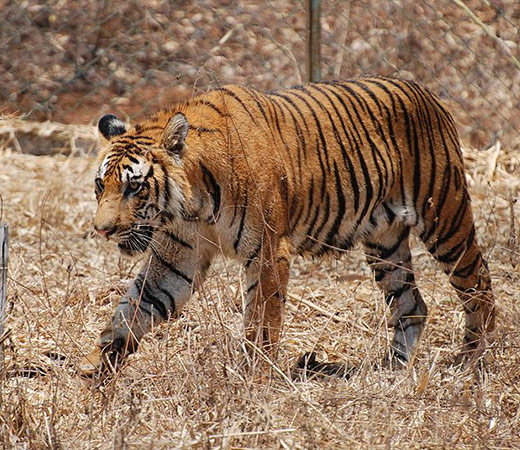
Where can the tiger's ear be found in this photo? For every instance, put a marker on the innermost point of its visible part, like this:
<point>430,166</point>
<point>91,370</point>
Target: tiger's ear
<point>175,133</point>
<point>110,126</point>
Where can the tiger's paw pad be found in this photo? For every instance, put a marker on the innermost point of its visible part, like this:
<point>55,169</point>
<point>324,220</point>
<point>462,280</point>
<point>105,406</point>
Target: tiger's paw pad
<point>309,367</point>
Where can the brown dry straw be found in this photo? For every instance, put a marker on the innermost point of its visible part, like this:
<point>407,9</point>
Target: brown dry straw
<point>186,386</point>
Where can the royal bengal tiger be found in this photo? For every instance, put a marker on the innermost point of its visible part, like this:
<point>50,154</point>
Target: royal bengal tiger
<point>260,177</point>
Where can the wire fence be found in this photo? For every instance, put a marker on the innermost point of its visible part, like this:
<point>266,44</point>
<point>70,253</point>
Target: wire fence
<point>71,62</point>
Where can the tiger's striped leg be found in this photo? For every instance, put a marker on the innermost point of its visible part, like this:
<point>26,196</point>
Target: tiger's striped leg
<point>389,256</point>
<point>266,280</point>
<point>158,292</point>
<point>469,275</point>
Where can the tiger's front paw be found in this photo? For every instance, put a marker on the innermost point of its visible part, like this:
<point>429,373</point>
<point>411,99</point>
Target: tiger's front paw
<point>106,359</point>
<point>91,365</point>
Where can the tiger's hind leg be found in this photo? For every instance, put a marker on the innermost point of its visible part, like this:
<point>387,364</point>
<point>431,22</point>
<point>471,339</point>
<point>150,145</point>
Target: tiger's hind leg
<point>453,244</point>
<point>388,254</point>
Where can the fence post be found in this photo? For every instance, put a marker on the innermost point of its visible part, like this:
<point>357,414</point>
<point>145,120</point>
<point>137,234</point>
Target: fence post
<point>313,39</point>
<point>4,241</point>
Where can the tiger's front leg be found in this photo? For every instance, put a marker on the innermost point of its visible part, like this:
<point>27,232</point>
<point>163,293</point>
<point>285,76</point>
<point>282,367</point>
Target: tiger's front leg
<point>267,277</point>
<point>160,290</point>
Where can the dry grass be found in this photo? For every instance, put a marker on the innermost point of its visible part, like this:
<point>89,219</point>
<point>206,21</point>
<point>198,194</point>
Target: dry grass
<point>185,389</point>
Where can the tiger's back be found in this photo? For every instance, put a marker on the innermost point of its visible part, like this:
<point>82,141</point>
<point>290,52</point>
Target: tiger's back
<point>310,170</point>
<point>340,160</point>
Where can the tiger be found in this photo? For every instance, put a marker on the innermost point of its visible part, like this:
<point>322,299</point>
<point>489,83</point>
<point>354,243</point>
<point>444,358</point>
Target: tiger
<point>263,177</point>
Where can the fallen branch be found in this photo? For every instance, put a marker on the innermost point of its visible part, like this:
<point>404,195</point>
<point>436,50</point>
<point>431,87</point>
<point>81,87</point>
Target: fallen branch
<point>47,138</point>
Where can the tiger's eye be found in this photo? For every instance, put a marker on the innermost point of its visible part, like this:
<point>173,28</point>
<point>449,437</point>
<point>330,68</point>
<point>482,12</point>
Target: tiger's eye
<point>133,187</point>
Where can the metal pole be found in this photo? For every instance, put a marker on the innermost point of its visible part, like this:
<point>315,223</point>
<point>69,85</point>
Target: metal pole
<point>313,39</point>
<point>4,241</point>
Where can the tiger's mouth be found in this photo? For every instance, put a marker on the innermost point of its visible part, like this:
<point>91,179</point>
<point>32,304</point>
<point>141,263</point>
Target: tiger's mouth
<point>135,240</point>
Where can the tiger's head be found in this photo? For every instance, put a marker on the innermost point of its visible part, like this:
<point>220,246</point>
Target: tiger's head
<point>140,182</point>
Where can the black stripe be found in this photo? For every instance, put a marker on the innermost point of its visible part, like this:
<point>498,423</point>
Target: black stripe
<point>178,240</point>
<point>380,272</point>
<point>467,270</point>
<point>379,82</point>
<point>138,283</point>
<point>376,154</point>
<point>326,213</point>
<point>241,226</point>
<point>295,106</point>
<point>282,259</point>
<point>344,153</point>
<point>383,253</point>
<point>416,166</point>
<point>434,225</point>
<point>156,189</point>
<point>213,189</point>
<point>170,298</point>
<point>166,188</point>
<point>456,221</point>
<point>146,310</point>
<point>361,84</point>
<point>407,284</point>
<point>360,157</point>
<point>310,199</point>
<point>377,124</point>
<point>259,105</point>
<point>144,140</point>
<point>398,151</point>
<point>424,114</point>
<point>288,152</point>
<point>390,214</point>
<point>250,288</point>
<point>323,173</point>
<point>297,217</point>
<point>278,125</point>
<point>300,141</point>
<point>239,100</point>
<point>424,124</point>
<point>210,105</point>
<point>200,129</point>
<point>340,208</point>
<point>453,254</point>
<point>316,122</point>
<point>399,84</point>
<point>253,255</point>
<point>457,178</point>
<point>149,298</point>
<point>305,245</point>
<point>387,174</point>
<point>131,158</point>
<point>173,270</point>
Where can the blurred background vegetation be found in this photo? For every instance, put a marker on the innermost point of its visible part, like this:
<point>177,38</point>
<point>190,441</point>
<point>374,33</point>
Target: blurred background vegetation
<point>70,63</point>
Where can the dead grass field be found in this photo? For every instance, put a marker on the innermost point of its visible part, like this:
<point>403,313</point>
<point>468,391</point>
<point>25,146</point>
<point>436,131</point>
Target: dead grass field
<point>184,388</point>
